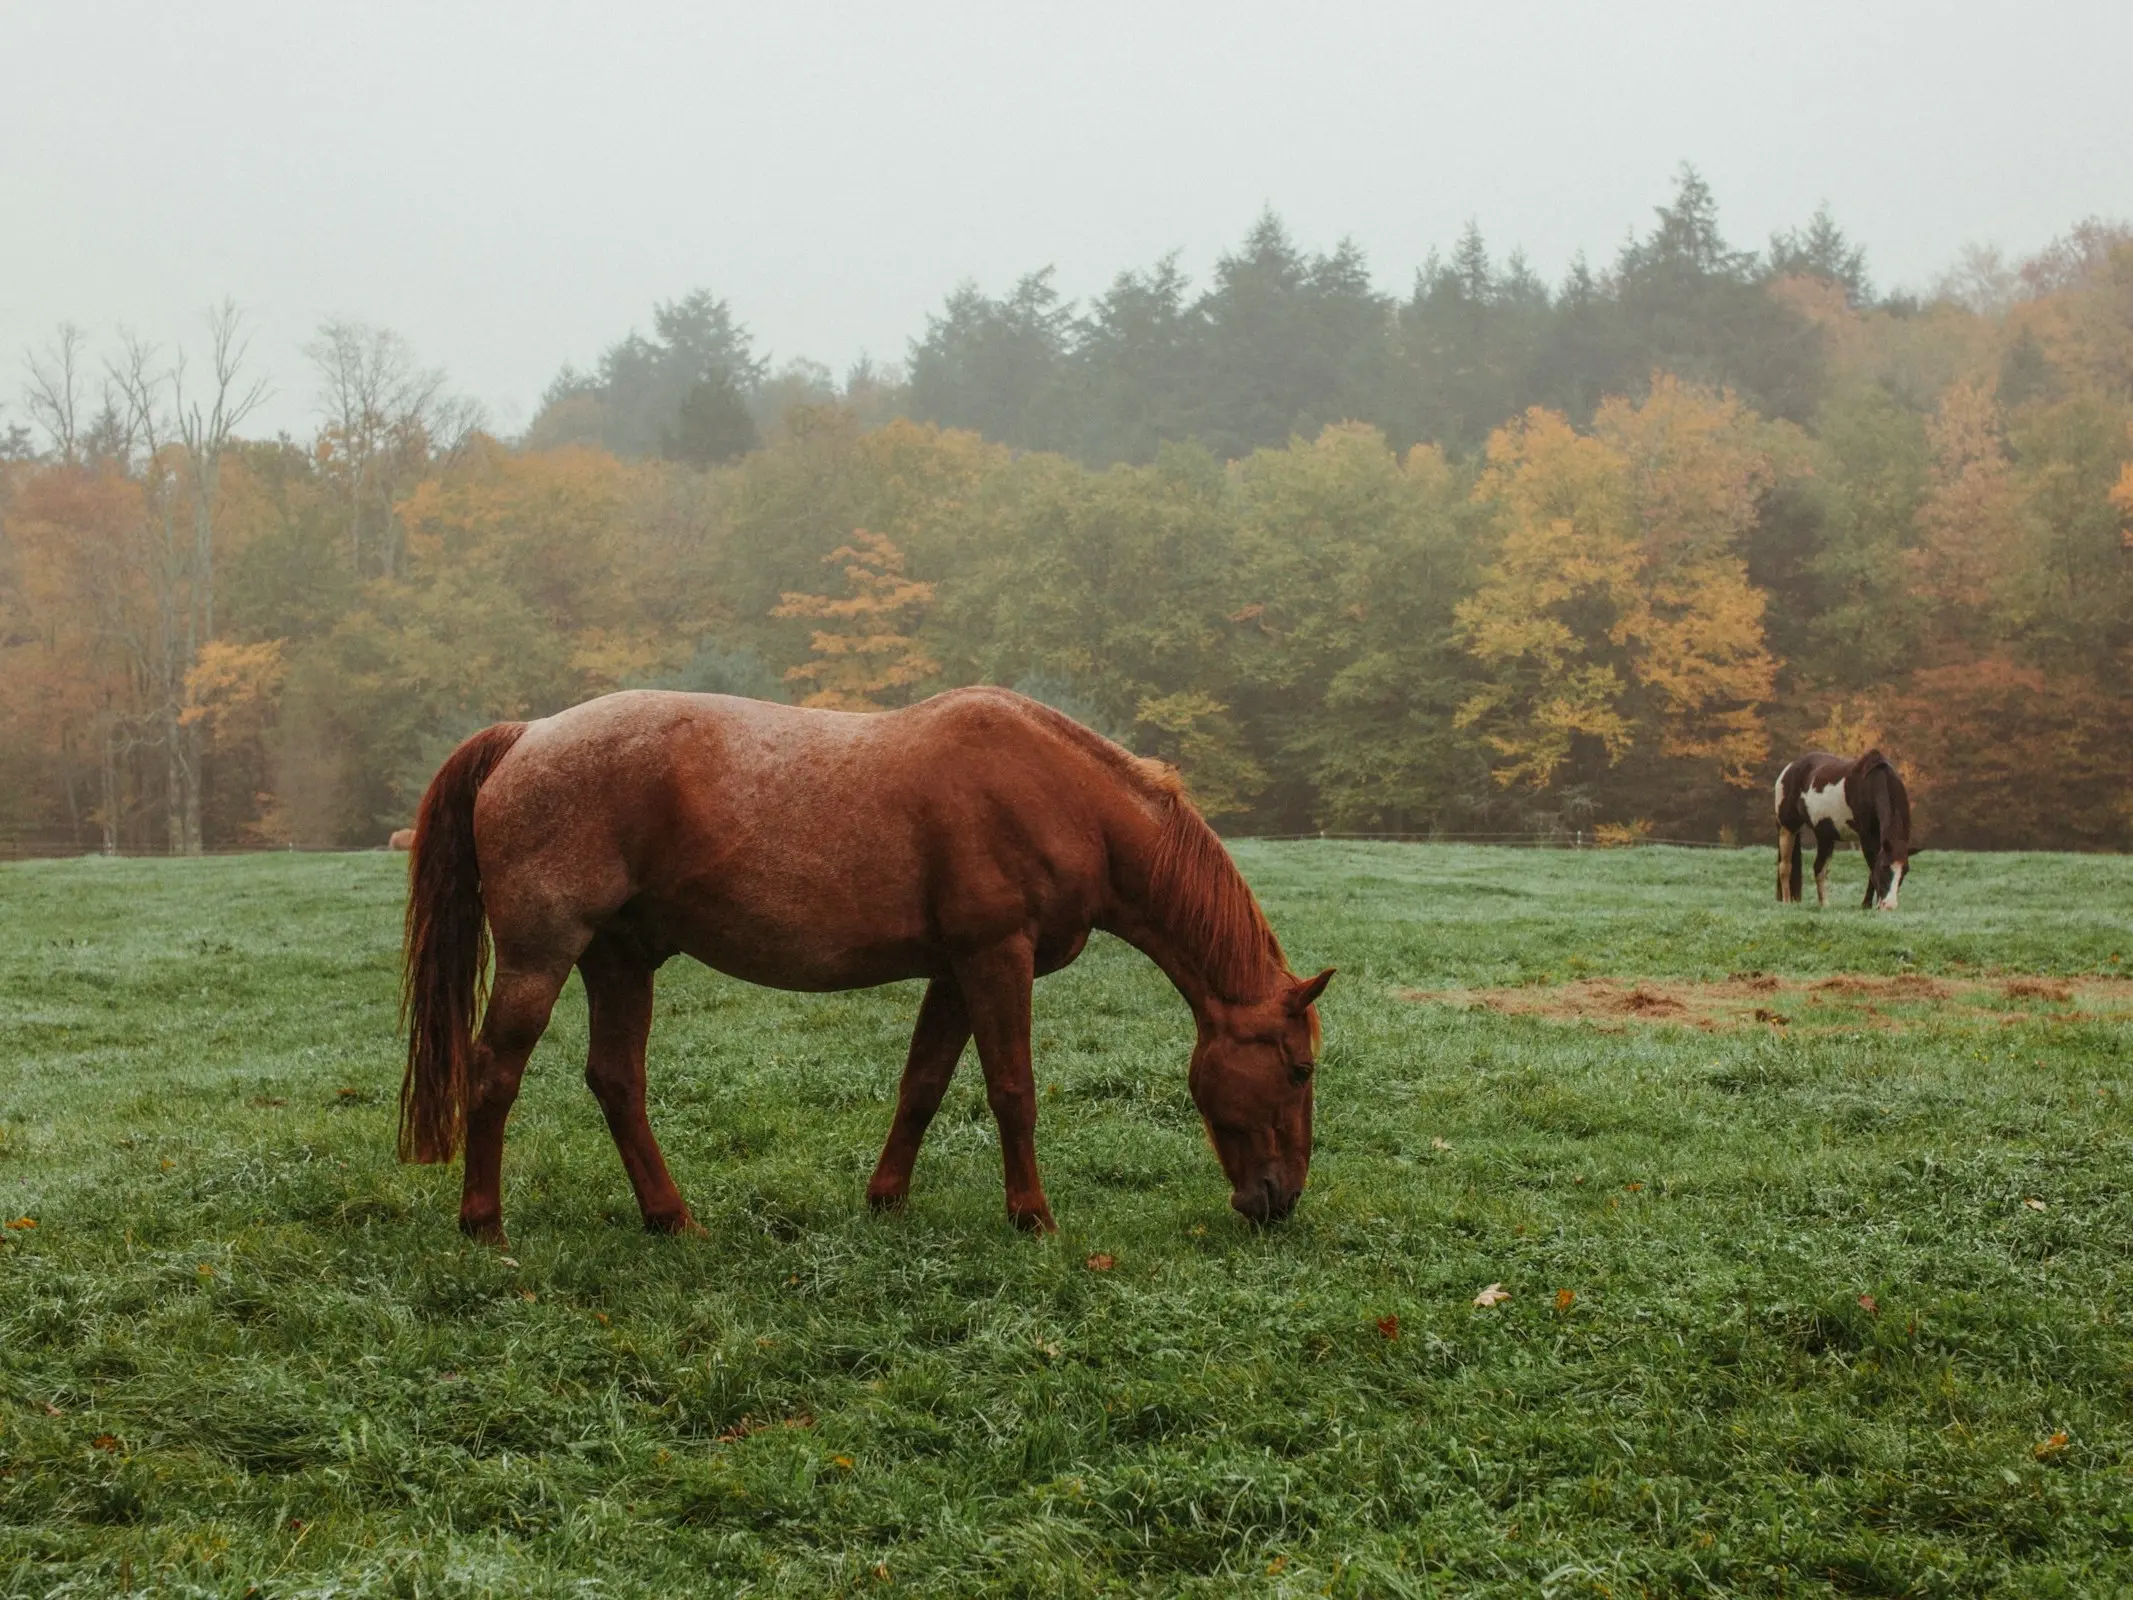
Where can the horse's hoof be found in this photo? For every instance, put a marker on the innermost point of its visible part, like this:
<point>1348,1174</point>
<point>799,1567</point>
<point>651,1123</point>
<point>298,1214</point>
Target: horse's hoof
<point>1038,1221</point>
<point>682,1224</point>
<point>490,1232</point>
<point>887,1200</point>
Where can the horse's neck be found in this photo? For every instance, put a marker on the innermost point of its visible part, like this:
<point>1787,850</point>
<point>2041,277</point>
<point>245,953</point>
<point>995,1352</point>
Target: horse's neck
<point>1201,926</point>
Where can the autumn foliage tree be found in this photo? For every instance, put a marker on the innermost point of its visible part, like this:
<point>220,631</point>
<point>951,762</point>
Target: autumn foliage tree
<point>1617,616</point>
<point>864,659</point>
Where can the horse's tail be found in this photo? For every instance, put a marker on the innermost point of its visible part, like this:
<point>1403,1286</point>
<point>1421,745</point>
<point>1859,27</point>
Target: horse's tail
<point>445,956</point>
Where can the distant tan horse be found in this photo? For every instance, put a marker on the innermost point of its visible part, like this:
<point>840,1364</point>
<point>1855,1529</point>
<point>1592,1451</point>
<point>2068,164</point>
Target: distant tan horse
<point>973,841</point>
<point>402,839</point>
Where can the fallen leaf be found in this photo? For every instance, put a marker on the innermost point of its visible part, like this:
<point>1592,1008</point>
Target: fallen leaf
<point>51,1410</point>
<point>296,1524</point>
<point>1389,1326</point>
<point>527,1295</point>
<point>1494,1294</point>
<point>1632,1187</point>
<point>23,1222</point>
<point>167,1163</point>
<point>881,1571</point>
<point>1101,1262</point>
<point>105,1441</point>
<point>205,1270</point>
<point>1870,1305</point>
<point>600,1317</point>
<point>2036,1205</point>
<point>348,1094</point>
<point>841,1463</point>
<point>1275,1567</point>
<point>509,1261</point>
<point>1049,1349</point>
<point>2047,1448</point>
<point>1565,1299</point>
<point>1438,1144</point>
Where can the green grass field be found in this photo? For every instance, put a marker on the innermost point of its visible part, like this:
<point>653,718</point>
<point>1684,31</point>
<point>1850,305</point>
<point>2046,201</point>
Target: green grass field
<point>242,1351</point>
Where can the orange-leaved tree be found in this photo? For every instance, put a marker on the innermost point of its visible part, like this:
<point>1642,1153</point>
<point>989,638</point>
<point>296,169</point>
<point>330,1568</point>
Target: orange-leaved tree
<point>1617,614</point>
<point>865,658</point>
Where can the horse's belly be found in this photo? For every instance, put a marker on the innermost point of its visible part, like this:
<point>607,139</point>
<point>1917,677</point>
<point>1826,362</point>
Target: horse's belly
<point>791,941</point>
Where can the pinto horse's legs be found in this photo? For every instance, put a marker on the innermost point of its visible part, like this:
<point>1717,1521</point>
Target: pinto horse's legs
<point>996,992</point>
<point>1788,865</point>
<point>1825,847</point>
<point>618,996</point>
<point>936,1046</point>
<point>519,1004</point>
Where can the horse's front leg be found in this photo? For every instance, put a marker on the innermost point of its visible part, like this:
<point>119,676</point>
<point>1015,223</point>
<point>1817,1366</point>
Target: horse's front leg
<point>936,1046</point>
<point>996,991</point>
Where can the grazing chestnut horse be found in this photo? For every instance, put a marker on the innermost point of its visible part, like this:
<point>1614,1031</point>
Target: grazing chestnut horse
<point>1833,795</point>
<point>972,840</point>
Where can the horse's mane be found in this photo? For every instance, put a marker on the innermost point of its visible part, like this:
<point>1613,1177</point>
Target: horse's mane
<point>1194,888</point>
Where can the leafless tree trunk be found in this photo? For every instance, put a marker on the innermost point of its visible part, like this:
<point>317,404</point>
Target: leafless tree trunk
<point>167,561</point>
<point>53,389</point>
<point>174,441</point>
<point>388,421</point>
<point>206,435</point>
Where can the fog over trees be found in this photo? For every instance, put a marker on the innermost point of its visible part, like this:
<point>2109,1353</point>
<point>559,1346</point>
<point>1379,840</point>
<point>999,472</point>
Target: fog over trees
<point>1485,554</point>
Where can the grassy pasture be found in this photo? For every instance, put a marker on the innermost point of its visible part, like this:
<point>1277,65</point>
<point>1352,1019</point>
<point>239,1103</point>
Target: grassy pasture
<point>1793,1310</point>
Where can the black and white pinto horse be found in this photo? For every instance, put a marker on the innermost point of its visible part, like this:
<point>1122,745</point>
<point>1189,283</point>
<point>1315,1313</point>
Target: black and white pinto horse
<point>1833,795</point>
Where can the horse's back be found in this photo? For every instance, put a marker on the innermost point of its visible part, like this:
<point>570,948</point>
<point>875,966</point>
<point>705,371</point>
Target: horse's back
<point>798,846</point>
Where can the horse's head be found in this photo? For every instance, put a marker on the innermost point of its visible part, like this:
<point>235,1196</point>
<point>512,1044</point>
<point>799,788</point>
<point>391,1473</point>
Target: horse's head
<point>1251,1078</point>
<point>1888,870</point>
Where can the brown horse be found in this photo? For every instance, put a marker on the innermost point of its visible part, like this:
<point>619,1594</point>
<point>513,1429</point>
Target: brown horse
<point>972,840</point>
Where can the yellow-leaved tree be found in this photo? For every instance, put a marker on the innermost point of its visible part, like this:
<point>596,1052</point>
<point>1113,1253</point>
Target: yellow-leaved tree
<point>1618,614</point>
<point>866,657</point>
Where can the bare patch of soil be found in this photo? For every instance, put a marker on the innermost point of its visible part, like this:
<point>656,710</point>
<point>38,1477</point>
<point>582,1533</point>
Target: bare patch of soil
<point>1759,999</point>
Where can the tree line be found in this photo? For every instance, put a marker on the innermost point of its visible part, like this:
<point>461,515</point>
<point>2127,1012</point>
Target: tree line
<point>1492,558</point>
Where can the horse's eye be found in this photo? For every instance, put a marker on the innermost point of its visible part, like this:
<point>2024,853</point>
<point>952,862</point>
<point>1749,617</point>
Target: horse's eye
<point>1300,1071</point>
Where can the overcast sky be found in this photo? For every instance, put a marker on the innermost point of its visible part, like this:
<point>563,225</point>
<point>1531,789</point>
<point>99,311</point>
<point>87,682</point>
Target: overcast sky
<point>511,187</point>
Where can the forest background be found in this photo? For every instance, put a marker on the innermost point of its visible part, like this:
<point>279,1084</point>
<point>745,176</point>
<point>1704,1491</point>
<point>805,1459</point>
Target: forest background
<point>1489,558</point>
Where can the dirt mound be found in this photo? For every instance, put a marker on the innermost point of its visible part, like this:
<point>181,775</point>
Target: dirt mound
<point>2037,989</point>
<point>1820,1005</point>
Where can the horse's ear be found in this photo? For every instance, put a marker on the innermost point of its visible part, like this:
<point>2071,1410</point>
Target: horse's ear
<point>1308,991</point>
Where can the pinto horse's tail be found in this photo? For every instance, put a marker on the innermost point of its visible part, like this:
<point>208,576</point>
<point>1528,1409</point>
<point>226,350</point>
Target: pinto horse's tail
<point>445,956</point>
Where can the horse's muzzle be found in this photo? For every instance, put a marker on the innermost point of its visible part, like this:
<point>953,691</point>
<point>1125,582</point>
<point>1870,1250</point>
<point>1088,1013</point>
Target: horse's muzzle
<point>1264,1202</point>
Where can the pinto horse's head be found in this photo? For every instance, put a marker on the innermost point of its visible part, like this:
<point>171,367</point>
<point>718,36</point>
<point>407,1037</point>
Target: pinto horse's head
<point>1252,1078</point>
<point>1888,872</point>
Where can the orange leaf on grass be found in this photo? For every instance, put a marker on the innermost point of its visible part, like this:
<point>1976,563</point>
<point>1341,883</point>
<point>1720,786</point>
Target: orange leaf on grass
<point>1389,1327</point>
<point>1102,1261</point>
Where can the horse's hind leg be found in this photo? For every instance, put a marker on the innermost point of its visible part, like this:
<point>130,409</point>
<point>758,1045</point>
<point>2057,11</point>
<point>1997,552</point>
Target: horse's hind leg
<point>996,989</point>
<point>936,1046</point>
<point>618,994</point>
<point>519,1003</point>
<point>1825,846</point>
<point>1788,865</point>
